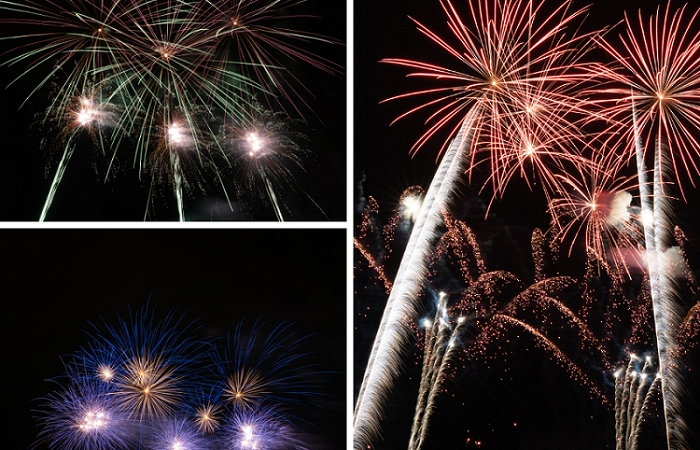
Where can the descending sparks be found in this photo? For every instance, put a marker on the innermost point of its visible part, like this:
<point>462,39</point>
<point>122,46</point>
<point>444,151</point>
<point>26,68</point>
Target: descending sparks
<point>494,316</point>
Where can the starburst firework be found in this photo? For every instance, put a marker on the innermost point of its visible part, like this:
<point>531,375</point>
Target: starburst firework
<point>150,384</point>
<point>162,63</point>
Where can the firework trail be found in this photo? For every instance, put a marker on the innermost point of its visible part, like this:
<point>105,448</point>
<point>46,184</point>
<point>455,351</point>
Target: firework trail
<point>535,310</point>
<point>386,352</point>
<point>167,64</point>
<point>513,85</point>
<point>432,356</point>
<point>658,95</point>
<point>436,363</point>
<point>62,164</point>
<point>156,385</point>
<point>635,390</point>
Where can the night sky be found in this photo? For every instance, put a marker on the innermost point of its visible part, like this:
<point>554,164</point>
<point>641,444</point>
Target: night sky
<point>521,400</point>
<point>26,170</point>
<point>55,283</point>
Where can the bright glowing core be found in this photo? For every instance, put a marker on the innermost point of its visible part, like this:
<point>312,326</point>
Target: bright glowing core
<point>176,135</point>
<point>93,420</point>
<point>254,143</point>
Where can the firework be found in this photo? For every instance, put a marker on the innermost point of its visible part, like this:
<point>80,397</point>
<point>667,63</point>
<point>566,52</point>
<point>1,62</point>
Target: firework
<point>262,369</point>
<point>557,314</point>
<point>509,84</point>
<point>518,67</point>
<point>259,428</point>
<point>167,65</point>
<point>256,38</point>
<point>391,337</point>
<point>266,150</point>
<point>444,343</point>
<point>151,384</point>
<point>635,390</point>
<point>597,206</point>
<point>84,416</point>
<point>178,434</point>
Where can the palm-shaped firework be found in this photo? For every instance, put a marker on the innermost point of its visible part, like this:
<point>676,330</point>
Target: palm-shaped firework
<point>175,70</point>
<point>517,65</point>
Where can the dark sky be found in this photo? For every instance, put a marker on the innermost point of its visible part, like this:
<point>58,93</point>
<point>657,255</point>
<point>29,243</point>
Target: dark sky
<point>26,171</point>
<point>550,410</point>
<point>56,282</point>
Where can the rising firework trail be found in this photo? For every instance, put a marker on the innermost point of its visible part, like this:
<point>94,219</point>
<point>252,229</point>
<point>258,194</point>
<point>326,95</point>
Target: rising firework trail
<point>635,390</point>
<point>658,75</point>
<point>555,312</point>
<point>515,71</point>
<point>442,342</point>
<point>384,361</point>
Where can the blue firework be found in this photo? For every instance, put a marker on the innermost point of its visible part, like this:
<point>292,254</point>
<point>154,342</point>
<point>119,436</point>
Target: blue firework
<point>155,384</point>
<point>177,433</point>
<point>259,368</point>
<point>148,366</point>
<point>83,416</point>
<point>259,428</point>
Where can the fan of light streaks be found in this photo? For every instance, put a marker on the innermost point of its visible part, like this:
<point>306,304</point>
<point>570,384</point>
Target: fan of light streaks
<point>156,384</point>
<point>163,63</point>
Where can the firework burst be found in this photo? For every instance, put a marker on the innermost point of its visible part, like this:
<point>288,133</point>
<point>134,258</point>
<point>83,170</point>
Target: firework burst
<point>151,384</point>
<point>516,64</point>
<point>84,416</point>
<point>165,64</point>
<point>597,206</point>
<point>657,88</point>
<point>267,151</point>
<point>520,70</point>
<point>261,369</point>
